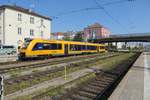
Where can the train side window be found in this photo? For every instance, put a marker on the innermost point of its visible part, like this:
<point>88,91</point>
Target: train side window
<point>77,47</point>
<point>74,48</point>
<point>71,47</point>
<point>38,46</point>
<point>87,47</point>
<point>59,46</point>
<point>93,47</point>
<point>54,46</point>
<point>80,47</point>
<point>46,46</point>
<point>84,47</point>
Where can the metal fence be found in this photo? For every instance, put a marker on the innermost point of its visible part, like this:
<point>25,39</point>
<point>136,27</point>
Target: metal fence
<point>130,35</point>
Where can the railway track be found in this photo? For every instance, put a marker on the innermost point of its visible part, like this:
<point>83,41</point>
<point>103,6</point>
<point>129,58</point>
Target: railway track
<point>6,69</point>
<point>40,60</point>
<point>48,73</point>
<point>100,87</point>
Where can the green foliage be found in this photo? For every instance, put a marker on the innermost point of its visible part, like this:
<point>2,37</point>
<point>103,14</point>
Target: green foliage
<point>67,39</point>
<point>78,37</point>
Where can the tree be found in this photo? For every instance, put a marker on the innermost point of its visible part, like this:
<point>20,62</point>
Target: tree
<point>67,39</point>
<point>78,36</point>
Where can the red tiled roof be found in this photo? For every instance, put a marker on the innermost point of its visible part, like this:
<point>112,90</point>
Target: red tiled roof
<point>96,25</point>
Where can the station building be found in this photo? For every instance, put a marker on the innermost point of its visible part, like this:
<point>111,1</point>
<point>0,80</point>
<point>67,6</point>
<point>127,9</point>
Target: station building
<point>17,23</point>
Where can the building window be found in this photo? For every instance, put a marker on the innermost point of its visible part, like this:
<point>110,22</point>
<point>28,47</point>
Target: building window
<point>42,33</point>
<point>31,32</point>
<point>42,22</point>
<point>19,17</point>
<point>32,20</point>
<point>19,30</point>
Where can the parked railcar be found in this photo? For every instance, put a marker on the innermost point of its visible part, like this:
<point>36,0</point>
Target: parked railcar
<point>47,48</point>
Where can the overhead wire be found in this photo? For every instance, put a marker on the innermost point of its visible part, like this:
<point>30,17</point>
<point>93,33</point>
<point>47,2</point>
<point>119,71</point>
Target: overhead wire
<point>117,2</point>
<point>109,15</point>
<point>75,11</point>
<point>89,9</point>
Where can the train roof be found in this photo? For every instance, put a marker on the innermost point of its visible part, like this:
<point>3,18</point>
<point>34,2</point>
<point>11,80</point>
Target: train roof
<point>63,41</point>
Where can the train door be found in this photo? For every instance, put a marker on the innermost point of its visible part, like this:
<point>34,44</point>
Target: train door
<point>98,49</point>
<point>66,49</point>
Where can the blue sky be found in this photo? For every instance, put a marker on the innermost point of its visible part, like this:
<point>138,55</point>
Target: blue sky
<point>128,17</point>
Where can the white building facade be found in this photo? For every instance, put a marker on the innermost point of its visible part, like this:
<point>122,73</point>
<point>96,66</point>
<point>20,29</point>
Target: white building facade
<point>17,23</point>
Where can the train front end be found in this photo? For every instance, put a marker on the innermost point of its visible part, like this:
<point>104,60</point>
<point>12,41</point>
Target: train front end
<point>24,49</point>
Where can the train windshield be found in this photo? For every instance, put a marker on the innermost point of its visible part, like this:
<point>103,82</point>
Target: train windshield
<point>26,43</point>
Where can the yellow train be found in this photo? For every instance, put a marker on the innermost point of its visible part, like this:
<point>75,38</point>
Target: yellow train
<point>47,48</point>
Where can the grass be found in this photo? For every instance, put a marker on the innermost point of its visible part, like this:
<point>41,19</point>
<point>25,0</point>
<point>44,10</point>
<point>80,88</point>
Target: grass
<point>18,71</point>
<point>109,63</point>
<point>60,89</point>
<point>15,73</point>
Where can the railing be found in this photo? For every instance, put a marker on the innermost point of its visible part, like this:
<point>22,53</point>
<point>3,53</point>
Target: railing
<point>130,35</point>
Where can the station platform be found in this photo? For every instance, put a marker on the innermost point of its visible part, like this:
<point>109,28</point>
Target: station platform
<point>8,58</point>
<point>136,83</point>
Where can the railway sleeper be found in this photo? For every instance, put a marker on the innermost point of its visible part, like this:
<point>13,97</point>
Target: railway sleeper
<point>109,78</point>
<point>118,71</point>
<point>111,75</point>
<point>17,81</point>
<point>102,85</point>
<point>25,78</point>
<point>106,79</point>
<point>106,75</point>
<point>9,82</point>
<point>42,74</point>
<point>95,87</point>
<point>87,94</point>
<point>64,98</point>
<point>99,84</point>
<point>112,72</point>
<point>90,90</point>
<point>78,97</point>
<point>37,75</point>
<point>30,76</point>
